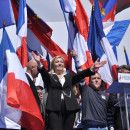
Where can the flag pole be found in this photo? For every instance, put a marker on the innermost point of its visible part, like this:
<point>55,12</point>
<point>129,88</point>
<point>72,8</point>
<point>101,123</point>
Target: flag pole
<point>2,49</point>
<point>126,56</point>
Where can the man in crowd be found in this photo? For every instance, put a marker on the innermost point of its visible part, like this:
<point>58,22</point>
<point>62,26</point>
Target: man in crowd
<point>31,74</point>
<point>94,102</point>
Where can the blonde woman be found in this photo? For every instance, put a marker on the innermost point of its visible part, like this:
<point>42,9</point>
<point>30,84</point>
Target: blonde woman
<point>61,102</point>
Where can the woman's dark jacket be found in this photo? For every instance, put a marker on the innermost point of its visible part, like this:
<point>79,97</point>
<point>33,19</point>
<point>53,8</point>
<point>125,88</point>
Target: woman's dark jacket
<point>55,89</point>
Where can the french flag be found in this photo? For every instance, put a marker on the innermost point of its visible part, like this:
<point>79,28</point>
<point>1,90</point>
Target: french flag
<point>17,101</point>
<point>21,48</point>
<point>100,46</point>
<point>78,27</point>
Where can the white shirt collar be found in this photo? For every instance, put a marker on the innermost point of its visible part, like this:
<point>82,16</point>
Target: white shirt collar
<point>62,79</point>
<point>29,75</point>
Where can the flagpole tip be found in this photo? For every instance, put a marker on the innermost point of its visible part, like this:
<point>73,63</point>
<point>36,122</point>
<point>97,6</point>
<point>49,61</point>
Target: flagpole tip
<point>124,49</point>
<point>4,22</point>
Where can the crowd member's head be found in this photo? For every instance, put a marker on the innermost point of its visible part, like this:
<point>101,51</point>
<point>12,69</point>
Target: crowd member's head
<point>32,68</point>
<point>123,69</point>
<point>95,81</point>
<point>39,91</point>
<point>57,65</point>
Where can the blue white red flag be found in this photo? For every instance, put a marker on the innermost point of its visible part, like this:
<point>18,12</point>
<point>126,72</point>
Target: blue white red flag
<point>6,13</point>
<point>78,27</point>
<point>17,101</point>
<point>100,46</point>
<point>21,48</point>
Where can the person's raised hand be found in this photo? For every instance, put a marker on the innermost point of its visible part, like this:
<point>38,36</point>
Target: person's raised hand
<point>36,57</point>
<point>99,64</point>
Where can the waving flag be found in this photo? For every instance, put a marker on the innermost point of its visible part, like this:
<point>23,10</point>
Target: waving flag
<point>41,31</point>
<point>6,13</point>
<point>21,48</point>
<point>126,56</point>
<point>115,31</point>
<point>17,101</point>
<point>100,47</point>
<point>108,10</point>
<point>78,32</point>
<point>121,4</point>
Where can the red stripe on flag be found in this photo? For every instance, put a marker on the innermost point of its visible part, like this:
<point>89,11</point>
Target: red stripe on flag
<point>89,63</point>
<point>81,20</point>
<point>20,96</point>
<point>15,9</point>
<point>22,53</point>
<point>52,48</point>
<point>114,71</point>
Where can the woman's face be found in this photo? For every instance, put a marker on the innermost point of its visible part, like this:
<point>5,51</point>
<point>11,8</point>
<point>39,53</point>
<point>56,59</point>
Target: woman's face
<point>58,64</point>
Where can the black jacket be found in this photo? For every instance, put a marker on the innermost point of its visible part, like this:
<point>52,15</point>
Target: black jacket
<point>33,88</point>
<point>55,89</point>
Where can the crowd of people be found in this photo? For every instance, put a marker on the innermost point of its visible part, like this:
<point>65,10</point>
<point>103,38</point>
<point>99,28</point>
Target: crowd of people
<point>68,103</point>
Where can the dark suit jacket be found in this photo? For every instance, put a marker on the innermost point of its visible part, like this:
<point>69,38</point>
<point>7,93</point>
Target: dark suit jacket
<point>55,89</point>
<point>33,88</point>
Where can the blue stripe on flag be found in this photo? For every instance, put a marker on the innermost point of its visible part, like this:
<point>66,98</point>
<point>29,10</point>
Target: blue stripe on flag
<point>5,45</point>
<point>95,33</point>
<point>6,13</point>
<point>116,33</point>
<point>21,15</point>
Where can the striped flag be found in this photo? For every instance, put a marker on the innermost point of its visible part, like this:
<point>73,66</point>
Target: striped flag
<point>79,33</point>
<point>17,101</point>
<point>41,32</point>
<point>21,48</point>
<point>100,46</point>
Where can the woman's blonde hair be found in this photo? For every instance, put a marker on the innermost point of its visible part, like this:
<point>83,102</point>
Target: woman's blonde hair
<point>52,64</point>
